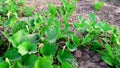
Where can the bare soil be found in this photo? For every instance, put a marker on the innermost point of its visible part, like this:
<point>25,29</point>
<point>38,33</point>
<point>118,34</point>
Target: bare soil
<point>110,13</point>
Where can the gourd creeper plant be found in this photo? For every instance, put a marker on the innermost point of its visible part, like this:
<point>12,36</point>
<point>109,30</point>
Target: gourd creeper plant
<point>47,42</point>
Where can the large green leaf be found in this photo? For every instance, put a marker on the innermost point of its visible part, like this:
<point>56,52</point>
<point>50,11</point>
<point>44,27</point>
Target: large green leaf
<point>51,34</point>
<point>4,65</point>
<point>29,60</point>
<point>27,47</point>
<point>44,62</point>
<point>65,56</point>
<point>48,50</point>
<point>12,54</point>
<point>18,38</point>
<point>66,65</point>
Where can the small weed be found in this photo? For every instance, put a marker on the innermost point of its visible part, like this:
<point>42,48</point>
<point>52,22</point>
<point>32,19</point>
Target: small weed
<point>98,5</point>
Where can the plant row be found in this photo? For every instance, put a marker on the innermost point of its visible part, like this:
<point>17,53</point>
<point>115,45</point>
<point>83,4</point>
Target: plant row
<point>46,41</point>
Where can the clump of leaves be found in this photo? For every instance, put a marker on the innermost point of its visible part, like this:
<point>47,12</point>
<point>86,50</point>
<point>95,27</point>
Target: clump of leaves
<point>33,44</point>
<point>42,31</point>
<point>98,5</point>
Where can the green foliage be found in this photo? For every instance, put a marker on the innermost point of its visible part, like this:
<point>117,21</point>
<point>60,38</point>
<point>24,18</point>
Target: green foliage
<point>51,34</point>
<point>29,11</point>
<point>36,43</point>
<point>27,48</point>
<point>48,50</point>
<point>98,5</point>
<point>4,65</point>
<point>66,65</point>
<point>12,54</point>
<point>18,38</point>
<point>44,62</point>
<point>65,56</point>
<point>18,26</point>
<point>29,60</point>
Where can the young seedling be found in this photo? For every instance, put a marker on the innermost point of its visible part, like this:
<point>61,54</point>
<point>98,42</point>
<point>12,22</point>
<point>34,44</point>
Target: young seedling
<point>98,5</point>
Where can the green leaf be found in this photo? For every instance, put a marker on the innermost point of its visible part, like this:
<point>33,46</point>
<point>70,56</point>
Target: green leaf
<point>48,50</point>
<point>81,27</point>
<point>98,5</point>
<point>87,39</point>
<point>71,47</point>
<point>29,60</point>
<point>29,11</point>
<point>96,45</point>
<point>113,38</point>
<point>51,34</point>
<point>17,65</point>
<point>109,50</point>
<point>4,65</point>
<point>92,18</point>
<point>12,54</point>
<point>65,56</point>
<point>52,9</point>
<point>76,40</point>
<point>56,66</point>
<point>67,26</point>
<point>81,20</point>
<point>18,38</point>
<point>44,62</point>
<point>33,38</point>
<point>27,47</point>
<point>11,22</point>
<point>108,60</point>
<point>66,65</point>
<point>103,26</point>
<point>18,26</point>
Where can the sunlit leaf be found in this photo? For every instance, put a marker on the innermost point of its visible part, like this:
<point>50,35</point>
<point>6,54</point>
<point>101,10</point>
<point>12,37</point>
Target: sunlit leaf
<point>27,47</point>
<point>18,38</point>
<point>48,50</point>
<point>44,62</point>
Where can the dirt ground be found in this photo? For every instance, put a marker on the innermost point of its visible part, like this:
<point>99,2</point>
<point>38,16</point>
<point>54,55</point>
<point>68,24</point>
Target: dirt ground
<point>110,12</point>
